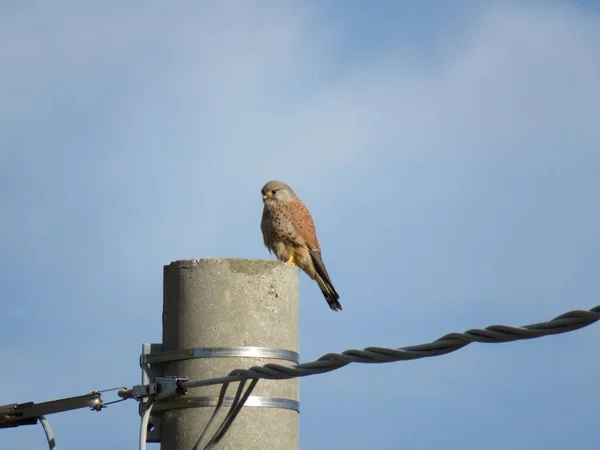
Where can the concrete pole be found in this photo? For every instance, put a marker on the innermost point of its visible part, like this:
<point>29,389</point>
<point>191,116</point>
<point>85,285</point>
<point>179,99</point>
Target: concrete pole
<point>225,303</point>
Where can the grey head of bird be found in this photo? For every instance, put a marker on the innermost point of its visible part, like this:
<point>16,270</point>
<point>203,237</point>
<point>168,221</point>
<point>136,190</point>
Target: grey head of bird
<point>276,192</point>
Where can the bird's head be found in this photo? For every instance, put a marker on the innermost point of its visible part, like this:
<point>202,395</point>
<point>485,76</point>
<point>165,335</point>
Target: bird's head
<point>276,191</point>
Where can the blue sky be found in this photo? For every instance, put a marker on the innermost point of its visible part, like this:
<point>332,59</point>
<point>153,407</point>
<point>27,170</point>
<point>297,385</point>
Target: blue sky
<point>450,157</point>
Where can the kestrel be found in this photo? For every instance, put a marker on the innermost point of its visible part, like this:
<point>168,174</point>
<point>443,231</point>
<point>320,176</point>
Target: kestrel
<point>289,232</point>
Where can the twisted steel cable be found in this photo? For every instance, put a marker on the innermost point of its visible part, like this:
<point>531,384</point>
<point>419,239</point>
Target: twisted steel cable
<point>449,343</point>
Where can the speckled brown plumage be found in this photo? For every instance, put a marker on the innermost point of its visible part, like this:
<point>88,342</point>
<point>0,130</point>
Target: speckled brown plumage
<point>289,232</point>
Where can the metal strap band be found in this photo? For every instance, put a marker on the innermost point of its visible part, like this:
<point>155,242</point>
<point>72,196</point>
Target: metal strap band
<point>206,401</point>
<point>219,352</point>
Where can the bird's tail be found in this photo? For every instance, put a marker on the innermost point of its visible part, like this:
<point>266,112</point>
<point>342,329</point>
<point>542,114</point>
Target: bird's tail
<point>324,282</point>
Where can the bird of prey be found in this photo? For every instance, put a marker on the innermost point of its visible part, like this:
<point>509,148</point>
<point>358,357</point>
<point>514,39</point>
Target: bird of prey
<point>289,232</point>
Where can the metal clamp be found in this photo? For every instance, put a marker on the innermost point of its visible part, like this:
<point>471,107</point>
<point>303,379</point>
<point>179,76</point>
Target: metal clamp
<point>218,352</point>
<point>152,361</point>
<point>163,389</point>
<point>211,401</point>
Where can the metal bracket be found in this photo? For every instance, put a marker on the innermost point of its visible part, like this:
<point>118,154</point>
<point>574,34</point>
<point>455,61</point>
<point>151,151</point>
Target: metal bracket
<point>163,389</point>
<point>17,414</point>
<point>150,372</point>
<point>155,388</point>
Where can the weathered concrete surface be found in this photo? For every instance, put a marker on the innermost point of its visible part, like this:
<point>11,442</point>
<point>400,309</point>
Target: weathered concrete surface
<point>231,303</point>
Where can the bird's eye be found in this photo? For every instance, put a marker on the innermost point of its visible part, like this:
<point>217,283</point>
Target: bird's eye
<point>272,192</point>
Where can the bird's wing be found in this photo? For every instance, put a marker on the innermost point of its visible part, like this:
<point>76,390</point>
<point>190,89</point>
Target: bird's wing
<point>300,217</point>
<point>267,228</point>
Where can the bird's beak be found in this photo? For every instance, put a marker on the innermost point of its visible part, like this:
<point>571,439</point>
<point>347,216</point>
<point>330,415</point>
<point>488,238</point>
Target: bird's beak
<point>265,197</point>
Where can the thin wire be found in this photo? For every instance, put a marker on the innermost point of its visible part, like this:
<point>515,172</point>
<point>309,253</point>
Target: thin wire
<point>48,431</point>
<point>123,393</point>
<point>236,406</point>
<point>120,388</point>
<point>104,405</point>
<point>235,409</point>
<point>214,415</point>
<point>144,427</point>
